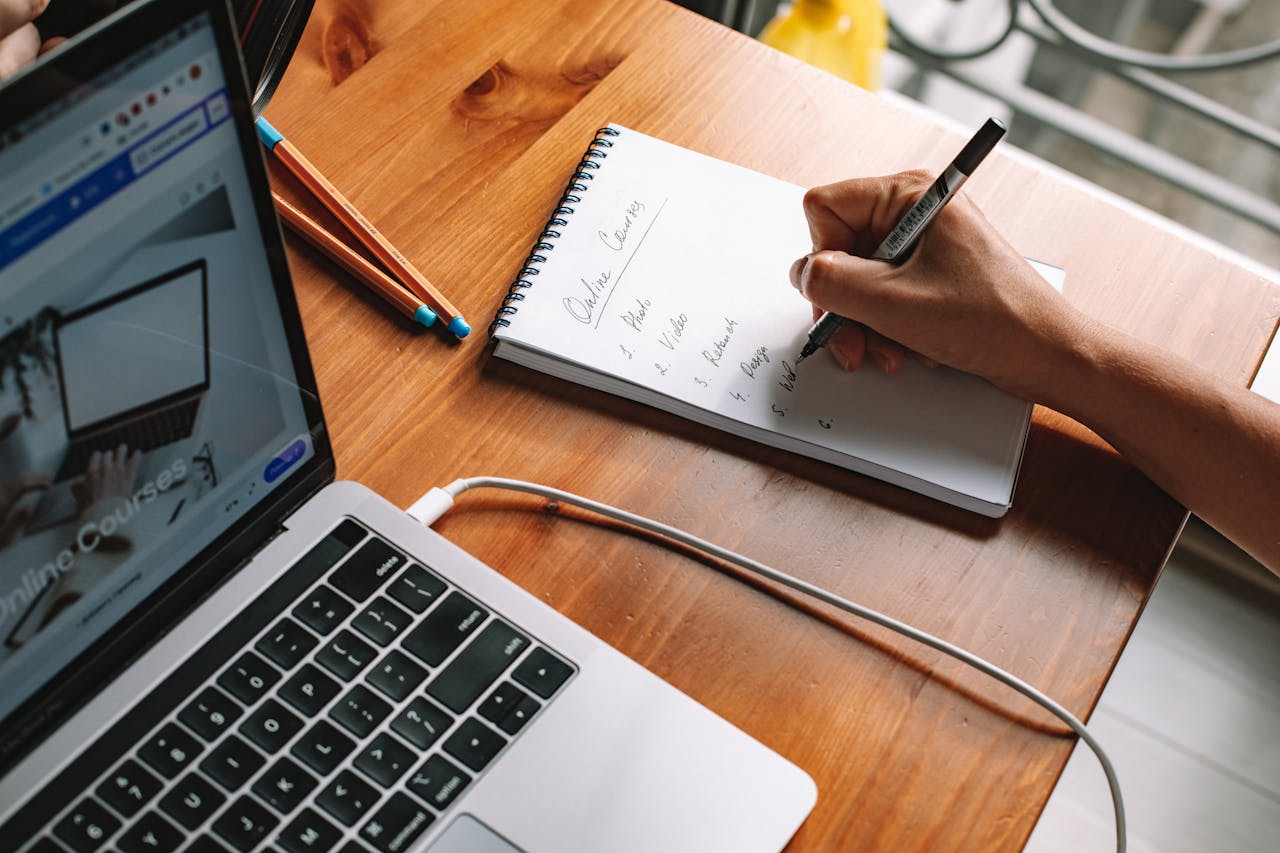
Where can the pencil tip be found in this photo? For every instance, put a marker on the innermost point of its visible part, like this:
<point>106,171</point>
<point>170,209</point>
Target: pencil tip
<point>424,315</point>
<point>459,327</point>
<point>268,134</point>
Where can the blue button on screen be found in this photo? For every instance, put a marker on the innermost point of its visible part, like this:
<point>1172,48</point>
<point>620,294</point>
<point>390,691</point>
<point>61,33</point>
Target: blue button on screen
<point>286,460</point>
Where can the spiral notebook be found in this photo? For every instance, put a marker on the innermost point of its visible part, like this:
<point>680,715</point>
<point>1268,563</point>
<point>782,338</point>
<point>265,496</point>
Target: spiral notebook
<point>662,277</point>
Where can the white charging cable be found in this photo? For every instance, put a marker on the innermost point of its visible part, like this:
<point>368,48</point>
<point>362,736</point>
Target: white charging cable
<point>435,503</point>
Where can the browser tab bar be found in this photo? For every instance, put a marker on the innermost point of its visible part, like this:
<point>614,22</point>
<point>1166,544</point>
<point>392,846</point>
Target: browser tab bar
<point>128,112</point>
<point>39,214</point>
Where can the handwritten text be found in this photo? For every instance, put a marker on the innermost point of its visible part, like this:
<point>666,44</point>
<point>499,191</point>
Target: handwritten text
<point>788,380</point>
<point>583,309</point>
<point>758,359</point>
<point>634,316</point>
<point>618,239</point>
<point>716,352</point>
<point>672,336</point>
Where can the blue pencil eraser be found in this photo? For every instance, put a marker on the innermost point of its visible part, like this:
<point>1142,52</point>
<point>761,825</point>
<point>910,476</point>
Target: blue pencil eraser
<point>459,327</point>
<point>268,134</point>
<point>424,315</point>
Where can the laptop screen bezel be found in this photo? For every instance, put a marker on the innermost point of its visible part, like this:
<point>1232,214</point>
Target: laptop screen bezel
<point>59,74</point>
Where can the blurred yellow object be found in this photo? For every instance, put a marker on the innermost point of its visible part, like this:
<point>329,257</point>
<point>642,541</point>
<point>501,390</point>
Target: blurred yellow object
<point>844,37</point>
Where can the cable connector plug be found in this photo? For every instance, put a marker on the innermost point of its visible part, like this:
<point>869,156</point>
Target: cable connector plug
<point>428,508</point>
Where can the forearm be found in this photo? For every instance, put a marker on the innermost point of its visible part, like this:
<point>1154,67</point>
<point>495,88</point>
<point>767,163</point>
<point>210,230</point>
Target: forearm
<point>1215,448</point>
<point>966,298</point>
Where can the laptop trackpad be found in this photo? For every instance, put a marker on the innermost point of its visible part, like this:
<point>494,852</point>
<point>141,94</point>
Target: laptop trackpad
<point>468,835</point>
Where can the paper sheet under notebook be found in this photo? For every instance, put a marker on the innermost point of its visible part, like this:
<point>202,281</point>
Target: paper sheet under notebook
<point>668,285</point>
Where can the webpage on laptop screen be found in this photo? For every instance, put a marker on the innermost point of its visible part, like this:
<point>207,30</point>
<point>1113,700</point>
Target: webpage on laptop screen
<point>147,394</point>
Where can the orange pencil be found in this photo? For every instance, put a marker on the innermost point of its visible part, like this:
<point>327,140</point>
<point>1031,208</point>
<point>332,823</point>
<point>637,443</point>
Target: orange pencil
<point>329,195</point>
<point>378,281</point>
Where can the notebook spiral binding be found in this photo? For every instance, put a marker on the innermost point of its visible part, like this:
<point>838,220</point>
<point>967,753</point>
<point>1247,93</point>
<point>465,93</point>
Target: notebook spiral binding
<point>572,195</point>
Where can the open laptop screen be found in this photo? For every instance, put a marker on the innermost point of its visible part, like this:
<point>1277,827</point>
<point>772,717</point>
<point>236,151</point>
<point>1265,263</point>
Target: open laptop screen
<point>154,335</point>
<point>149,395</point>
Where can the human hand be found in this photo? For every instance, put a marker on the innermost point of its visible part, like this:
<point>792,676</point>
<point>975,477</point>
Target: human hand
<point>964,297</point>
<point>20,41</point>
<point>14,518</point>
<point>109,476</point>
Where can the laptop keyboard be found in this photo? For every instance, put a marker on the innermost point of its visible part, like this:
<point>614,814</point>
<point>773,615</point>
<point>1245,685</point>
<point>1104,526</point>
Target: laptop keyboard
<point>369,704</point>
<point>147,432</point>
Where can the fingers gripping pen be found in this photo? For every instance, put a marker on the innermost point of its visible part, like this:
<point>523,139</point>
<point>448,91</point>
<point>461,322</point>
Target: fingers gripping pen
<point>898,245</point>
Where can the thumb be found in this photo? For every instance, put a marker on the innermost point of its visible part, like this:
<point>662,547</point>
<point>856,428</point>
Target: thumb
<point>841,283</point>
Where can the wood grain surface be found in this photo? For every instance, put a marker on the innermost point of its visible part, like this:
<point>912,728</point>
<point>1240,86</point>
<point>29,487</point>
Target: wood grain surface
<point>454,125</point>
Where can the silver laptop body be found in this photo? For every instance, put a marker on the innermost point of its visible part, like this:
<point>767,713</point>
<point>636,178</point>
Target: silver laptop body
<point>223,650</point>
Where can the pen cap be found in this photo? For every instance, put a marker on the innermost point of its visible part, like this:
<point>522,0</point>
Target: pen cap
<point>979,146</point>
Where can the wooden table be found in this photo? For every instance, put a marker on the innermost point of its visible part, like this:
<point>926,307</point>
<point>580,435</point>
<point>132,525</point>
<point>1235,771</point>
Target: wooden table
<point>454,125</point>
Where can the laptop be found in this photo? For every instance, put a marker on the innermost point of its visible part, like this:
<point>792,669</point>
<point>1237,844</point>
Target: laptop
<point>156,337</point>
<point>228,650</point>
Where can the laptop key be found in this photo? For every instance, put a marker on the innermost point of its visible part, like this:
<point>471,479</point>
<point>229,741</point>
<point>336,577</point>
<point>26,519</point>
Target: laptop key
<point>309,690</point>
<point>249,678</point>
<point>523,713</point>
<point>345,655</point>
<point>385,760</point>
<point>509,708</point>
<point>170,750</point>
<point>396,675</point>
<point>271,726</point>
<point>438,781</point>
<point>542,672</point>
<point>477,666</point>
<point>191,801</point>
<point>360,711</point>
<point>284,786</point>
<point>396,825</point>
<point>421,723</point>
<point>129,787</point>
<point>151,834</point>
<point>322,610</point>
<point>45,844</point>
<point>286,643</point>
<point>474,744</point>
<point>444,628</point>
<point>381,621</point>
<point>367,569</point>
<point>417,589</point>
<point>87,826</point>
<point>323,748</point>
<point>347,798</point>
<point>232,763</point>
<point>210,714</point>
<point>309,833</point>
<point>205,844</point>
<point>244,824</point>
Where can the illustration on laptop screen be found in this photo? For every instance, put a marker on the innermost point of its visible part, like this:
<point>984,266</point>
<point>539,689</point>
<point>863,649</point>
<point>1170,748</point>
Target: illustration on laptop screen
<point>154,340</point>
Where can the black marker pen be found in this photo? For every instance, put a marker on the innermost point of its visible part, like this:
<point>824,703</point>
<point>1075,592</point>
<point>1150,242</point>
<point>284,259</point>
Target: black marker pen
<point>902,238</point>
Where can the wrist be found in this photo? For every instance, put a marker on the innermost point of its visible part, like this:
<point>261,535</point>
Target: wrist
<point>1058,358</point>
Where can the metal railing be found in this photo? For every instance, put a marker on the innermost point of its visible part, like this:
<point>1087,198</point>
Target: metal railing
<point>1153,73</point>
